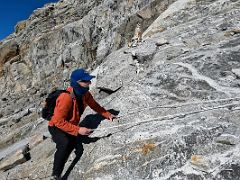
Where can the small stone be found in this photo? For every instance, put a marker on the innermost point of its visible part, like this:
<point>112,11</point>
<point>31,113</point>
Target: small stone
<point>35,140</point>
<point>227,139</point>
<point>161,42</point>
<point>203,118</point>
<point>199,162</point>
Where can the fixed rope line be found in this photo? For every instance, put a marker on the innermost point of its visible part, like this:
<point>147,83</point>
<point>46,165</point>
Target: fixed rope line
<point>168,117</point>
<point>133,111</point>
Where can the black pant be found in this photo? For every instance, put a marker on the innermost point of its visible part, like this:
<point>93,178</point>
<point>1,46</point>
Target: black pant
<point>65,143</point>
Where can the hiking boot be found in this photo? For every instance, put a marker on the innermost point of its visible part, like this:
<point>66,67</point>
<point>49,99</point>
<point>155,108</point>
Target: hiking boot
<point>55,178</point>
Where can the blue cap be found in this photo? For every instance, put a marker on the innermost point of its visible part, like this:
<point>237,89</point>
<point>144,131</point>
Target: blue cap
<point>81,74</point>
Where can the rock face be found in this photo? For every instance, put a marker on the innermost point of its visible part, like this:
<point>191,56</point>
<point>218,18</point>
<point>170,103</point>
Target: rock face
<point>176,91</point>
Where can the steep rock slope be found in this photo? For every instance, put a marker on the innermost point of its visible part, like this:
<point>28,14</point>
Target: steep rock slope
<point>177,97</point>
<point>52,42</point>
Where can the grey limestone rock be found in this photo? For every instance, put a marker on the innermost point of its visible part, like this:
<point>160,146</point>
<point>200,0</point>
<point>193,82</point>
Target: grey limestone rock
<point>176,92</point>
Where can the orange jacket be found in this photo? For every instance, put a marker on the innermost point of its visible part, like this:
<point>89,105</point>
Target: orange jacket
<point>66,115</point>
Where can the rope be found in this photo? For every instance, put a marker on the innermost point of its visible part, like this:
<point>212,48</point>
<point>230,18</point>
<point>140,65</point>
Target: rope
<point>168,117</point>
<point>133,111</point>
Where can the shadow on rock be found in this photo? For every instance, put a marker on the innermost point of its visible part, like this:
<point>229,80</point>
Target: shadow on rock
<point>91,121</point>
<point>78,152</point>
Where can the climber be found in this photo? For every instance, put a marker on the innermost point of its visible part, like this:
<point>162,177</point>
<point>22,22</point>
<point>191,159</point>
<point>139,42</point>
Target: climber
<point>63,125</point>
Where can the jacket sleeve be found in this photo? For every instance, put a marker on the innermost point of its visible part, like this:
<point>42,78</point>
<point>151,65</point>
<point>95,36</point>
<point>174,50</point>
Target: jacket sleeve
<point>64,105</point>
<point>96,107</point>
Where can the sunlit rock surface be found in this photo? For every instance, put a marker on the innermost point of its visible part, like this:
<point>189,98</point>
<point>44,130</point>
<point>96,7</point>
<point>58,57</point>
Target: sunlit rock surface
<point>176,93</point>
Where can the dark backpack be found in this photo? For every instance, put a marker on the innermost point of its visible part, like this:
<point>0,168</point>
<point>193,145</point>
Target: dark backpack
<point>50,103</point>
